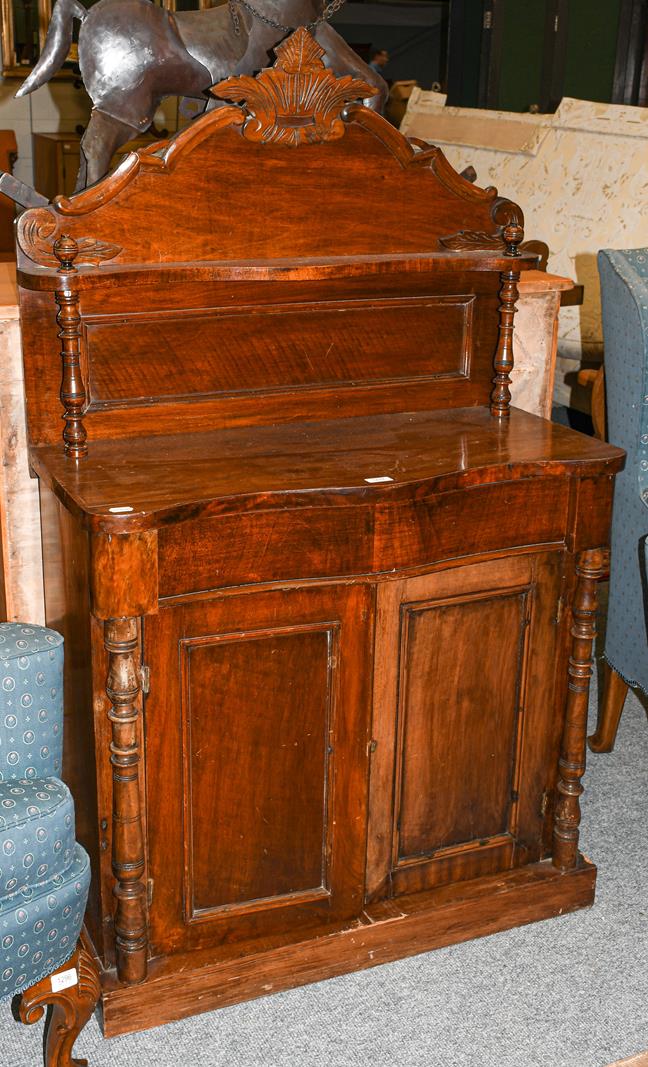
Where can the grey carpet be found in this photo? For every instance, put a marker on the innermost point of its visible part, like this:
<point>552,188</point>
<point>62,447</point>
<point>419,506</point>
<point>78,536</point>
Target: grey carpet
<point>569,992</point>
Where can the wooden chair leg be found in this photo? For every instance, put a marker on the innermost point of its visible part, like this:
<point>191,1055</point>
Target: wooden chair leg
<point>71,1007</point>
<point>595,379</point>
<point>615,691</point>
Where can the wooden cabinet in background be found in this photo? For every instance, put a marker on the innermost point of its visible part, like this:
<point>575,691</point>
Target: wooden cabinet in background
<point>8,157</point>
<point>56,161</point>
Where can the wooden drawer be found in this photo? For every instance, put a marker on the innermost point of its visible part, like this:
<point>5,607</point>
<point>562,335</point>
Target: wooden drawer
<point>264,547</point>
<point>470,521</point>
<point>212,553</point>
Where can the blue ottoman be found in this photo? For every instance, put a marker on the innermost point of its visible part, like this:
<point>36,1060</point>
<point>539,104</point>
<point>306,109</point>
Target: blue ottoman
<point>44,873</point>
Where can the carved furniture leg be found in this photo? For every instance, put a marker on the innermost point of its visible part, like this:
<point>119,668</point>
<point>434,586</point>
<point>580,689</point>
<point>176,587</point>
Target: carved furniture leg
<point>71,1008</point>
<point>122,687</point>
<point>590,565</point>
<point>615,691</point>
<point>595,379</point>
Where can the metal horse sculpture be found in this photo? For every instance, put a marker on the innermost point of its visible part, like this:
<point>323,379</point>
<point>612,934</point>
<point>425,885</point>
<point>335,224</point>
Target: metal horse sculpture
<point>133,53</point>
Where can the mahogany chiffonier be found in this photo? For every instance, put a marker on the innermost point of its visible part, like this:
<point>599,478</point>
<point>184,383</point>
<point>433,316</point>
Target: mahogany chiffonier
<point>328,600</point>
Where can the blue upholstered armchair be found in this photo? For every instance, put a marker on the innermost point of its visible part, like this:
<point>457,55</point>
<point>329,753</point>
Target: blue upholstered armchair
<point>44,873</point>
<point>624,293</point>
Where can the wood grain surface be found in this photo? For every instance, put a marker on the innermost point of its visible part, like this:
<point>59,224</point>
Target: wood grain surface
<point>165,479</point>
<point>318,598</point>
<point>183,985</point>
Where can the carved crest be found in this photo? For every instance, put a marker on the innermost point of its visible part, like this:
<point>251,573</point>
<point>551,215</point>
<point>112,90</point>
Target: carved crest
<point>298,100</point>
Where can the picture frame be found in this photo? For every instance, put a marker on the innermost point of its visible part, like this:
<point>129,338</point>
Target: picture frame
<point>24,27</point>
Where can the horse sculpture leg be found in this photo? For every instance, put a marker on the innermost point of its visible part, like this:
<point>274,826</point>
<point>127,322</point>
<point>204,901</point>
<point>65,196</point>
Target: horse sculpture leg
<point>103,136</point>
<point>341,59</point>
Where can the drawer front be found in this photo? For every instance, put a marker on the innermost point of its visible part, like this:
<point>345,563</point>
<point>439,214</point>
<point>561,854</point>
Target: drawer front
<point>221,552</point>
<point>264,547</point>
<point>470,521</point>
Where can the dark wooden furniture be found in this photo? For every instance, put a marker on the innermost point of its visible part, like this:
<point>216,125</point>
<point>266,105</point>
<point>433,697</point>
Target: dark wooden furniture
<point>8,157</point>
<point>343,595</point>
<point>56,161</point>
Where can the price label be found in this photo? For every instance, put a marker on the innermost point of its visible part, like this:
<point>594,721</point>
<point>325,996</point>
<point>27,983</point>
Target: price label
<point>64,980</point>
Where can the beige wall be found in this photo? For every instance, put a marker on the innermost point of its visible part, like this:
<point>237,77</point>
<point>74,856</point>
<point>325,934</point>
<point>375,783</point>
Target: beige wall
<point>57,107</point>
<point>580,176</point>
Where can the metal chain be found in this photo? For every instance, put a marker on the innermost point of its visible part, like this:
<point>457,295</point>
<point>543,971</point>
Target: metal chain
<point>328,11</point>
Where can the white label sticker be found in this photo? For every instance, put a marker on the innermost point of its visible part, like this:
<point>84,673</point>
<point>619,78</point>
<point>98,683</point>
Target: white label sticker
<point>64,980</point>
<point>383,478</point>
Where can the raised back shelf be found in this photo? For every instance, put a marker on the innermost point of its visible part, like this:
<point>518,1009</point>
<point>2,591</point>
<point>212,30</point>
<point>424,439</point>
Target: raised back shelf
<point>312,261</point>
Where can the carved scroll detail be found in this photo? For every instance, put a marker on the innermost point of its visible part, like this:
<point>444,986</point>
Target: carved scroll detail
<point>298,100</point>
<point>506,238</point>
<point>473,241</point>
<point>590,566</point>
<point>71,1009</point>
<point>503,361</point>
<point>122,687</point>
<point>38,230</point>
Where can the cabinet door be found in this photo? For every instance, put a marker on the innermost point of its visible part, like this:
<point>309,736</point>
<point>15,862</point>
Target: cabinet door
<point>466,729</point>
<point>257,731</point>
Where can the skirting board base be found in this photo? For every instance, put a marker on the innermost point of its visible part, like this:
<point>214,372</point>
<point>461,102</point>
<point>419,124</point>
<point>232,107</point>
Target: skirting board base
<point>189,983</point>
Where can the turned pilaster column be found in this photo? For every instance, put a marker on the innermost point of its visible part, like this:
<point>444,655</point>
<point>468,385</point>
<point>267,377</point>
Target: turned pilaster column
<point>590,566</point>
<point>122,687</point>
<point>503,361</point>
<point>124,589</point>
<point>73,393</point>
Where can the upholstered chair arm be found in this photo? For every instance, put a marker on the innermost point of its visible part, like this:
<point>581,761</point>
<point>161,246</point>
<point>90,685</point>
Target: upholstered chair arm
<point>624,300</point>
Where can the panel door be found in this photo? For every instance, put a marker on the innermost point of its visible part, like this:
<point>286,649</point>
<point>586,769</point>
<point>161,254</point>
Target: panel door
<point>466,729</point>
<point>257,725</point>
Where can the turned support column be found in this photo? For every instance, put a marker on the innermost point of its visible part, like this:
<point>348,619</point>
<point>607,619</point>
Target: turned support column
<point>124,588</point>
<point>590,566</point>
<point>73,394</point>
<point>503,361</point>
<point>122,687</point>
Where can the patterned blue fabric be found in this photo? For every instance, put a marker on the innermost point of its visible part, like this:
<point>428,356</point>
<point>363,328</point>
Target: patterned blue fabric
<point>40,927</point>
<point>624,295</point>
<point>31,701</point>
<point>36,831</point>
<point>44,874</point>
